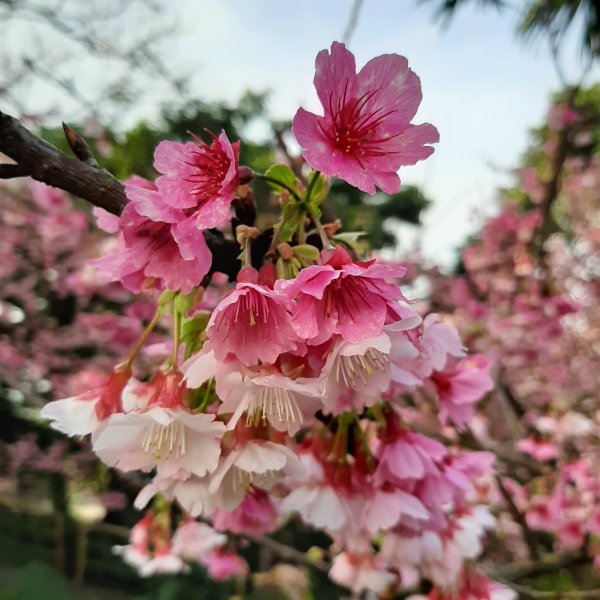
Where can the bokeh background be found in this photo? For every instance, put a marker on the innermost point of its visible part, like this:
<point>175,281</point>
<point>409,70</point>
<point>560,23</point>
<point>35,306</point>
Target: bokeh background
<point>127,74</point>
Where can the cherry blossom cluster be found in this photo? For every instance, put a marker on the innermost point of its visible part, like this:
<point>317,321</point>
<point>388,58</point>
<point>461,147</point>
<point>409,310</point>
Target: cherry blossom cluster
<point>295,391</point>
<point>528,300</point>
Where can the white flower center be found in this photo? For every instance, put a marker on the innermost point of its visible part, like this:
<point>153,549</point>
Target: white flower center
<point>165,440</point>
<point>273,403</point>
<point>358,367</point>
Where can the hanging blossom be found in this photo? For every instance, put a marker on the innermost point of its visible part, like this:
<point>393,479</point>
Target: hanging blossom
<point>352,299</point>
<point>88,412</point>
<point>163,433</point>
<point>156,249</point>
<point>365,134</point>
<point>252,324</point>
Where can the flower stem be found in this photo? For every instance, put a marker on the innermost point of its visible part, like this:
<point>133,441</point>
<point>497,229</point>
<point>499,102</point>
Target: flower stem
<point>325,242</point>
<point>141,340</point>
<point>176,337</point>
<point>311,184</point>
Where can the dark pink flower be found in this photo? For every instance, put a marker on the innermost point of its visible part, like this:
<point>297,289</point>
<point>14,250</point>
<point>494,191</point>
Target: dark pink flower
<point>352,299</point>
<point>157,247</point>
<point>253,323</point>
<point>365,135</point>
<point>199,177</point>
<point>255,516</point>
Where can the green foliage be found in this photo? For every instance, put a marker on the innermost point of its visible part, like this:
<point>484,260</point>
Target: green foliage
<point>35,581</point>
<point>282,174</point>
<point>361,213</point>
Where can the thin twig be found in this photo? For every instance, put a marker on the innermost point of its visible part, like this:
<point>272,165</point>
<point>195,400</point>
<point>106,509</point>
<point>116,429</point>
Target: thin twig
<point>518,516</point>
<point>352,21</point>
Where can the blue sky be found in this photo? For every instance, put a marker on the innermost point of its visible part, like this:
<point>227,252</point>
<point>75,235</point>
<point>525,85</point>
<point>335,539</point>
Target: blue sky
<point>482,87</point>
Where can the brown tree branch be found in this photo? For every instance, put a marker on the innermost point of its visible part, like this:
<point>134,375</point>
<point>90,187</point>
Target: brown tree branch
<point>8,171</point>
<point>43,162</point>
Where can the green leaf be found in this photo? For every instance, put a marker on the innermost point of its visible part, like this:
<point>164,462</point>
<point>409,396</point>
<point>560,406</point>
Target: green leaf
<point>283,174</point>
<point>291,218</point>
<point>191,332</point>
<point>319,188</point>
<point>184,303</point>
<point>350,240</point>
<point>315,211</point>
<point>306,252</point>
<point>37,581</point>
<point>166,297</point>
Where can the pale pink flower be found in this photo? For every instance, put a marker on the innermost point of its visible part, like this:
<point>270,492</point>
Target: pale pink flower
<point>541,449</point>
<point>438,340</point>
<point>163,434</point>
<point>404,455</point>
<point>193,541</point>
<point>199,177</point>
<point>360,573</point>
<point>544,513</point>
<point>365,135</point>
<point>570,535</point>
<point>387,507</point>
<point>320,503</point>
<point>253,324</point>
<point>352,299</point>
<point>156,248</point>
<point>191,493</point>
<point>86,413</point>
<point>285,403</point>
<point>164,562</point>
<point>149,550</point>
<point>356,375</point>
<point>252,461</point>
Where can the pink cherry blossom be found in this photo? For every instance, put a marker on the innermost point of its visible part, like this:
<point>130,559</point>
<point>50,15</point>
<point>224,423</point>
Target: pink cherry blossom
<point>255,516</point>
<point>223,564</point>
<point>438,340</point>
<point>356,375</point>
<point>199,177</point>
<point>352,299</point>
<point>361,573</point>
<point>156,247</point>
<point>193,541</point>
<point>365,135</point>
<point>252,461</point>
<point>287,404</point>
<point>541,449</point>
<point>461,387</point>
<point>163,433</point>
<point>191,492</point>
<point>253,324</point>
<point>149,551</point>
